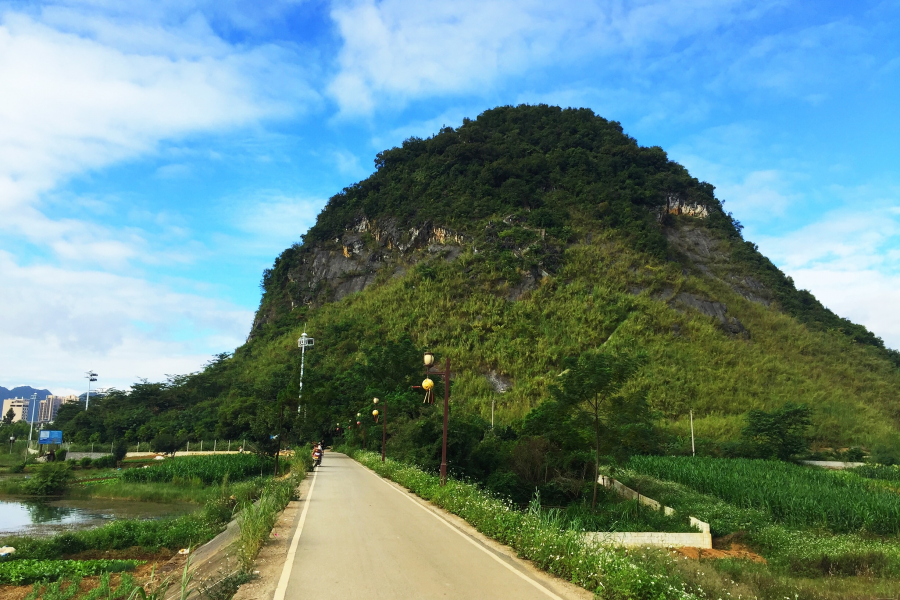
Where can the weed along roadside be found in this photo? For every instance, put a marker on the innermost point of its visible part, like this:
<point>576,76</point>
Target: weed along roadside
<point>555,541</point>
<point>209,552</point>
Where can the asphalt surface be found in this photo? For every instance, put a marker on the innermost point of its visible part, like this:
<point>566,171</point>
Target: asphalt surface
<point>364,538</point>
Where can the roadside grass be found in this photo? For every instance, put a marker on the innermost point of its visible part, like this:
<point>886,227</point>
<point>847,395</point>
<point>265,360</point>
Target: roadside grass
<point>257,519</point>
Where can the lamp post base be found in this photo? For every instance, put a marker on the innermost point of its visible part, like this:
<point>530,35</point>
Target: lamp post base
<point>443,473</point>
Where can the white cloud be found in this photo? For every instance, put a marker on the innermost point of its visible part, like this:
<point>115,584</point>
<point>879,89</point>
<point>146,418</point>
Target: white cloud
<point>57,322</point>
<point>84,88</point>
<point>399,49</point>
<point>849,260</point>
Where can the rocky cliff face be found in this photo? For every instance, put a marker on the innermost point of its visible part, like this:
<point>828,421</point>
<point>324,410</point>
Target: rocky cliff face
<point>330,271</point>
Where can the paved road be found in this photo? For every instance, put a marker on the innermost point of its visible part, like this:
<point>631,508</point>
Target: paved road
<point>363,538</point>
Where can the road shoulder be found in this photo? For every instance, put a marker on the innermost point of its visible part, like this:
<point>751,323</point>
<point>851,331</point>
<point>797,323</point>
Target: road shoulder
<point>269,564</point>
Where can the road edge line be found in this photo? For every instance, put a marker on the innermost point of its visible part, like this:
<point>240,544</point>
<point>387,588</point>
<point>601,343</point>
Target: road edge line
<point>465,536</point>
<point>281,590</point>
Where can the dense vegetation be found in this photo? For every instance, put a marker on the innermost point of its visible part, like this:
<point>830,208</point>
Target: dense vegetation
<point>19,572</point>
<point>565,200</point>
<point>793,495</point>
<point>207,469</point>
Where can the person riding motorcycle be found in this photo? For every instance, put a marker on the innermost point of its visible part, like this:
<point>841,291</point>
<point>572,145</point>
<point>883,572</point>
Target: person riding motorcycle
<point>317,456</point>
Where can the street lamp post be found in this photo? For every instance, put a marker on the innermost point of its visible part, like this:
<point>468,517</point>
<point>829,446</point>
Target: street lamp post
<point>303,342</point>
<point>359,426</point>
<point>429,361</point>
<point>383,425</point>
<point>91,376</point>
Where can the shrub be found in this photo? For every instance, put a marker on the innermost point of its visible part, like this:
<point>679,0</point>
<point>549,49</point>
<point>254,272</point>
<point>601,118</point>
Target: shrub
<point>105,462</point>
<point>51,479</point>
<point>85,463</point>
<point>120,450</point>
<point>17,468</point>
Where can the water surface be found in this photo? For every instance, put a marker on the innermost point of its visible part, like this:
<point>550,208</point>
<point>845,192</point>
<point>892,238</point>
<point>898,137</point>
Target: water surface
<point>43,518</point>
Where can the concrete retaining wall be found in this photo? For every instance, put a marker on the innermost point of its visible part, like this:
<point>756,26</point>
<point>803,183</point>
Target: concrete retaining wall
<point>656,539</point>
<point>832,464</point>
<point>80,455</point>
<point>650,538</point>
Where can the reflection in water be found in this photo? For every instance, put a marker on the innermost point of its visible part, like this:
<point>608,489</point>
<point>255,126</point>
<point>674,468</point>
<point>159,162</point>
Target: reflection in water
<point>39,518</point>
<point>42,512</point>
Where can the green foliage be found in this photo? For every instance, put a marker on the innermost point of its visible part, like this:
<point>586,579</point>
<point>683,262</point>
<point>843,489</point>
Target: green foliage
<point>165,443</point>
<point>180,532</point>
<point>85,462</point>
<point>120,450</point>
<point>207,469</point>
<point>104,462</point>
<point>50,479</point>
<point>21,572</point>
<point>883,472</point>
<point>588,385</point>
<point>778,434</point>
<point>791,494</point>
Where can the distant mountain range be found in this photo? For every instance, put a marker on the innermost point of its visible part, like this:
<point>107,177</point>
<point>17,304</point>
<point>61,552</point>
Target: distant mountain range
<point>23,391</point>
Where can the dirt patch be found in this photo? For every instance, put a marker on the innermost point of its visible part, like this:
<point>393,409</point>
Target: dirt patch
<point>729,546</point>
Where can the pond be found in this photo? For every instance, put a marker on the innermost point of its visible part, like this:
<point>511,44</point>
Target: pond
<point>44,518</point>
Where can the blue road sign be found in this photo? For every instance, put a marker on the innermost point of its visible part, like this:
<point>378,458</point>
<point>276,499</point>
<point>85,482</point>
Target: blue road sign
<point>50,437</point>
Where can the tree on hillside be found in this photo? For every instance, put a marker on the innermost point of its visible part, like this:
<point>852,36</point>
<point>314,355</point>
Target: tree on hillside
<point>780,433</point>
<point>590,382</point>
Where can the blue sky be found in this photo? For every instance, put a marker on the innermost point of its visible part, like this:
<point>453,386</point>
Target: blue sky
<point>156,156</point>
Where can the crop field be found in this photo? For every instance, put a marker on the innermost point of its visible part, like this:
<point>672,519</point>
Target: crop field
<point>794,496</point>
<point>18,572</point>
<point>881,472</point>
<point>208,470</point>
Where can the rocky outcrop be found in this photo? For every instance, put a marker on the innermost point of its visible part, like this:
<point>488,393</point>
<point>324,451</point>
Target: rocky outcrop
<point>676,205</point>
<point>716,310</point>
<point>332,271</point>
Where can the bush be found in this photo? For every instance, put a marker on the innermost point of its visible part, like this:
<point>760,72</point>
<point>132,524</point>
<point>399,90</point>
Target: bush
<point>85,463</point>
<point>51,479</point>
<point>120,450</point>
<point>165,443</point>
<point>105,462</point>
<point>17,468</point>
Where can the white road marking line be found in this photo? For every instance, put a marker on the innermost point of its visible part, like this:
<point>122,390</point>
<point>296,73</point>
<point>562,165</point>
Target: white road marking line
<point>465,537</point>
<point>281,590</point>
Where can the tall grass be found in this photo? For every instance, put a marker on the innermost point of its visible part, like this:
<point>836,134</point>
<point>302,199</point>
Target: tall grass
<point>257,519</point>
<point>207,469</point>
<point>794,495</point>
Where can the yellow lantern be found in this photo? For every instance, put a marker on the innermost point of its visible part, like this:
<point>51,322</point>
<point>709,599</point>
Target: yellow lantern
<point>374,413</point>
<point>428,386</point>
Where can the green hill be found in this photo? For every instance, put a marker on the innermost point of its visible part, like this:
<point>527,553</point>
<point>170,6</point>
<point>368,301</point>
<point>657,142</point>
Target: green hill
<point>525,236</point>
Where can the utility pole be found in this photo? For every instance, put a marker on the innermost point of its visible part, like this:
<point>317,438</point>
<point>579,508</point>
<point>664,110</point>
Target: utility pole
<point>303,342</point>
<point>91,376</point>
<point>693,450</point>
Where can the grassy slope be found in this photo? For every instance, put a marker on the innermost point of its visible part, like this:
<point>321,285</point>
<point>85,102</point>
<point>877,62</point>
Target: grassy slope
<point>852,388</point>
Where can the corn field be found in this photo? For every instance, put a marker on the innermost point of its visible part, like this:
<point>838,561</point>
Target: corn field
<point>795,496</point>
<point>207,469</point>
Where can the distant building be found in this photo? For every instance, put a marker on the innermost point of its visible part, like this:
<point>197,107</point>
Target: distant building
<point>49,406</point>
<point>19,406</point>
